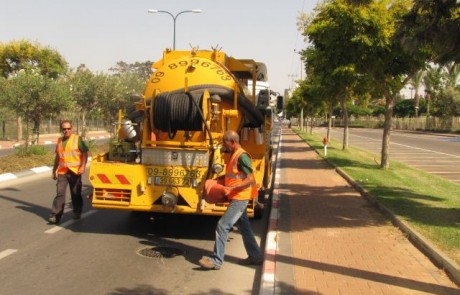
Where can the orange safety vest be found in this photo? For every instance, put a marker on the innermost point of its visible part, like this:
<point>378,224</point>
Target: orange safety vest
<point>70,157</point>
<point>233,177</point>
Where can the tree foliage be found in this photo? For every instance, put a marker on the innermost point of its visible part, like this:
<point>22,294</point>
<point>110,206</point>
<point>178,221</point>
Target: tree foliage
<point>405,108</point>
<point>23,55</point>
<point>142,70</point>
<point>35,97</point>
<point>92,92</point>
<point>434,26</point>
<point>31,87</point>
<point>355,40</point>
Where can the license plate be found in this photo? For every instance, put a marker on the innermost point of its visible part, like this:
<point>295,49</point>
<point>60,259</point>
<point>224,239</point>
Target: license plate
<point>175,181</point>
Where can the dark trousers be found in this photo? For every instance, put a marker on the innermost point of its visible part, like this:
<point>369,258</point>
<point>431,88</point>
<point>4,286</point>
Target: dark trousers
<point>75,184</point>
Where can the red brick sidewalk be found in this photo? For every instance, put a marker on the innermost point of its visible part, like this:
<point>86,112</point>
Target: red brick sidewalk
<point>332,241</point>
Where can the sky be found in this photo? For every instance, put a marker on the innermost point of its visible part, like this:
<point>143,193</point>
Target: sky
<point>99,33</point>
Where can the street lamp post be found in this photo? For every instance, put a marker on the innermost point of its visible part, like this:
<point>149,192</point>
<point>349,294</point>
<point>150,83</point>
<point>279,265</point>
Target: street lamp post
<point>174,19</point>
<point>292,77</point>
<point>301,63</point>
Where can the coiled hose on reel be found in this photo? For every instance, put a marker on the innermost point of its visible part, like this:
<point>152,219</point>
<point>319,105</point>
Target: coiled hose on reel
<point>179,110</point>
<point>176,111</point>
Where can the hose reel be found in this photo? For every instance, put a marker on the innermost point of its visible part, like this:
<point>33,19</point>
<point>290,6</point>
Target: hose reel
<point>176,111</point>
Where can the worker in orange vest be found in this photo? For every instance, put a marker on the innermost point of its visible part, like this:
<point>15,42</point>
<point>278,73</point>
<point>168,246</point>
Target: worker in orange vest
<point>238,183</point>
<point>69,166</point>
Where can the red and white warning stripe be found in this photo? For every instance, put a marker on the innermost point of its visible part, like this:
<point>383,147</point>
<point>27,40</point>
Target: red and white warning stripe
<point>271,244</point>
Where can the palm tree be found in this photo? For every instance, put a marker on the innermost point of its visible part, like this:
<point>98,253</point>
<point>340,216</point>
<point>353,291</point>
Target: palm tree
<point>416,82</point>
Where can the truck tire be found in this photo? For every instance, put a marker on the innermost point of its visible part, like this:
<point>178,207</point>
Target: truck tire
<point>260,207</point>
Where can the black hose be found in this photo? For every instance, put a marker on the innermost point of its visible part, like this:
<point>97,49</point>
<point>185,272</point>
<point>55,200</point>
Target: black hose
<point>177,111</point>
<point>254,116</point>
<point>211,139</point>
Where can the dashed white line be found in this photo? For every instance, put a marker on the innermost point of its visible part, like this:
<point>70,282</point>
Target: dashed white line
<point>7,252</point>
<point>429,165</point>
<point>439,161</point>
<point>63,225</point>
<point>443,172</point>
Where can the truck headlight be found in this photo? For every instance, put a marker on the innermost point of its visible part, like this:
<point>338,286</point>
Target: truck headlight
<point>169,197</point>
<point>217,168</point>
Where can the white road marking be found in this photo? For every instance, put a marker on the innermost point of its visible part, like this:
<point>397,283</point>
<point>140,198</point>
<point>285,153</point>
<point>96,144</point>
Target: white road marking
<point>429,165</point>
<point>443,172</point>
<point>63,225</point>
<point>41,169</point>
<point>408,146</point>
<point>7,252</point>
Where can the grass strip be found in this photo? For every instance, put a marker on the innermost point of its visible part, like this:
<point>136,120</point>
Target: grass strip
<point>429,203</point>
<point>20,161</point>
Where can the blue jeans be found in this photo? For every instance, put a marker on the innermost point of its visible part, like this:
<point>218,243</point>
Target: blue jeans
<point>236,212</point>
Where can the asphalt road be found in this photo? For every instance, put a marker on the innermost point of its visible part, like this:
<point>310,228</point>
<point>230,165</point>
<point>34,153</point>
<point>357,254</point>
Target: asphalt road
<point>437,154</point>
<point>100,254</point>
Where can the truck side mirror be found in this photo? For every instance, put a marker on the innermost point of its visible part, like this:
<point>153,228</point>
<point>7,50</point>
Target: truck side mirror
<point>279,102</point>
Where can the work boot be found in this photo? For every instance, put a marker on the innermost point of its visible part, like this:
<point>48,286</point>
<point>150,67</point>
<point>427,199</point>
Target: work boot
<point>53,219</point>
<point>206,262</point>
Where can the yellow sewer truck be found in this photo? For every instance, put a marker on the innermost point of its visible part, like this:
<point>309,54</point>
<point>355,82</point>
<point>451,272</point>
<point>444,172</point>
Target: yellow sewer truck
<point>170,141</point>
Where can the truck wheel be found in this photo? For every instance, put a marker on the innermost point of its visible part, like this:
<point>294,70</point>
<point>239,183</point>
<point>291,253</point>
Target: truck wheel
<point>267,180</point>
<point>259,207</point>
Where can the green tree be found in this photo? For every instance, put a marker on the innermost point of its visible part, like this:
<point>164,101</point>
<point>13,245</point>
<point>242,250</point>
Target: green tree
<point>375,49</point>
<point>442,89</point>
<point>405,108</point>
<point>22,55</point>
<point>433,26</point>
<point>352,39</point>
<point>87,90</point>
<point>101,93</point>
<point>453,73</point>
<point>116,96</point>
<point>34,97</point>
<point>351,47</point>
<point>17,57</point>
<point>447,103</point>
<point>142,70</point>
<point>416,82</point>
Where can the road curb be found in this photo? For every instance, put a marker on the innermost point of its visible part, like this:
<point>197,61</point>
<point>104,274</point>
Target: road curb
<point>33,171</point>
<point>93,135</point>
<point>268,278</point>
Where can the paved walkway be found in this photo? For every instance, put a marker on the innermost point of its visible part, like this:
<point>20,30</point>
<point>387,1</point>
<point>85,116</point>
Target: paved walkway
<point>332,241</point>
